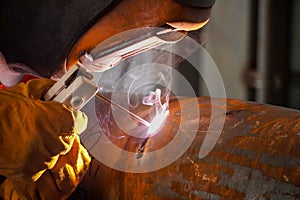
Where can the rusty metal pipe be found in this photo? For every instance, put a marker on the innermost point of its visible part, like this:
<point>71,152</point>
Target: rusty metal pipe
<point>257,157</point>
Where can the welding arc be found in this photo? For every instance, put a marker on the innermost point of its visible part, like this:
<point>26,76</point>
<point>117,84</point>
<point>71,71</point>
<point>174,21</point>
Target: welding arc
<point>106,100</point>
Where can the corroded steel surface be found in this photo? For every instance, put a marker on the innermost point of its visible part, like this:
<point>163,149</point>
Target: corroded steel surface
<point>256,157</point>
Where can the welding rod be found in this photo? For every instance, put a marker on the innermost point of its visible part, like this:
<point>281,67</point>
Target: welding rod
<point>106,100</point>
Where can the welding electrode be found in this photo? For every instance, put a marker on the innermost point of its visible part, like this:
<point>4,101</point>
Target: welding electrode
<point>106,100</point>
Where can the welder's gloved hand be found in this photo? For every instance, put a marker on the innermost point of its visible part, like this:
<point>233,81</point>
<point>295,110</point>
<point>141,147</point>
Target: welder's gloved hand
<point>57,183</point>
<point>35,133</point>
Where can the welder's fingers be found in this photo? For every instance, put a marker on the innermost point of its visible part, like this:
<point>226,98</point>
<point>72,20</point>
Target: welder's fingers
<point>63,125</point>
<point>34,133</point>
<point>81,121</point>
<point>35,88</point>
<point>57,183</point>
<point>73,166</point>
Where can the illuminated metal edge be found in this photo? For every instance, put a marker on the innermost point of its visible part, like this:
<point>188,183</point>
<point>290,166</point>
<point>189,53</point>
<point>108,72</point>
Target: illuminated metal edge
<point>110,57</point>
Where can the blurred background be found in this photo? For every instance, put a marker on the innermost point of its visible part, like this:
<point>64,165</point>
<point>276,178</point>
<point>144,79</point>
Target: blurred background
<point>255,45</point>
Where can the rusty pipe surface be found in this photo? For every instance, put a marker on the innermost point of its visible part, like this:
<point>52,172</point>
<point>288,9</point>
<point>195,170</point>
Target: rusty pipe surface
<point>256,157</point>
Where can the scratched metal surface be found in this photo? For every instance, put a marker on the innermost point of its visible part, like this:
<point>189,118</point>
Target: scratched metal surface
<point>256,157</point>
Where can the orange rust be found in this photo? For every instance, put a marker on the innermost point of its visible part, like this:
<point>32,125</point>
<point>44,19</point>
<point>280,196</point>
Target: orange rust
<point>242,165</point>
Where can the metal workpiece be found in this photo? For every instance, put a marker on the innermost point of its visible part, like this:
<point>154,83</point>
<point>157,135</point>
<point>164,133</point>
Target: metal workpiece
<point>257,156</point>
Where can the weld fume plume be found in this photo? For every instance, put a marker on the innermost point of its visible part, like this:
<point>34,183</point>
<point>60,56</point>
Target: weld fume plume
<point>136,80</point>
<point>137,76</point>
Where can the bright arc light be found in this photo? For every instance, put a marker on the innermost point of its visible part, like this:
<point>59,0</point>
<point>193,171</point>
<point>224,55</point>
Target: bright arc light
<point>161,112</point>
<point>157,122</point>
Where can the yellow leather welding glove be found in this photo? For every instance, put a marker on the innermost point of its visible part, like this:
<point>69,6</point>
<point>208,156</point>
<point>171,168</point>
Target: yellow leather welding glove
<point>56,183</point>
<point>34,133</point>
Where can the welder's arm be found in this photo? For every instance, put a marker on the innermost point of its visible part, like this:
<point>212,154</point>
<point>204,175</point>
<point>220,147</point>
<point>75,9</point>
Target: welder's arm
<point>39,142</point>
